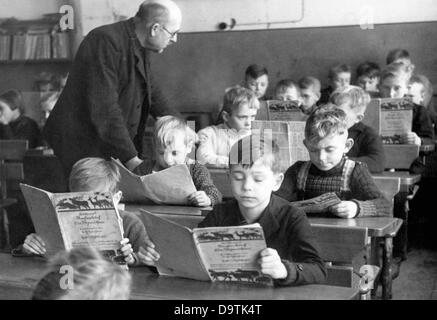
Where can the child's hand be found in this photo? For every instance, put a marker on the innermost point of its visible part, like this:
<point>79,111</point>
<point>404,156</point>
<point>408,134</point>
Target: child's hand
<point>126,249</point>
<point>199,199</point>
<point>345,209</point>
<point>34,245</point>
<point>271,264</point>
<point>148,255</point>
<point>411,138</point>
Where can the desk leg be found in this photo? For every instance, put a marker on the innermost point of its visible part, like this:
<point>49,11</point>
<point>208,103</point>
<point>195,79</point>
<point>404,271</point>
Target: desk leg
<point>386,268</point>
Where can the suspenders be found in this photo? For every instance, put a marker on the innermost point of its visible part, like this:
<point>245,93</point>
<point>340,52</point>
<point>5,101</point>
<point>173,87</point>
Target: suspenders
<point>348,168</point>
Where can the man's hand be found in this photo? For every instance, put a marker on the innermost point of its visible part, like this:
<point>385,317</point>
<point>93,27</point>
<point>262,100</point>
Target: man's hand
<point>345,209</point>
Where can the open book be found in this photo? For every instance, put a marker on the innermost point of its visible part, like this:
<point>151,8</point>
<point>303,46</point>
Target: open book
<point>317,204</point>
<point>207,254</point>
<point>284,111</point>
<point>169,186</point>
<point>73,220</point>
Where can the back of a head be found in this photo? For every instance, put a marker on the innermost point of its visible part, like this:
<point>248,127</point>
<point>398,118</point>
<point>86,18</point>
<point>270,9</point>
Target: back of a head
<point>158,11</point>
<point>14,99</point>
<point>337,69</point>
<point>165,129</point>
<point>368,69</point>
<point>354,96</point>
<point>83,274</point>
<point>396,54</point>
<point>324,121</point>
<point>310,82</point>
<point>255,71</point>
<point>94,174</point>
<point>253,149</point>
<point>236,96</point>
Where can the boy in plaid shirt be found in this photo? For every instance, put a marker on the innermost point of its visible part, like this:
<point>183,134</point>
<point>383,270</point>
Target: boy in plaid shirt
<point>329,170</point>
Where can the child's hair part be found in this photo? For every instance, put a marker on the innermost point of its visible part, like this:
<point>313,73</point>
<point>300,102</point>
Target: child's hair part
<point>94,174</point>
<point>92,278</point>
<point>356,97</point>
<point>14,99</point>
<point>165,129</point>
<point>253,148</point>
<point>396,54</point>
<point>237,96</point>
<point>368,69</point>
<point>335,70</point>
<point>310,83</point>
<point>324,121</point>
<point>255,71</point>
<point>284,84</point>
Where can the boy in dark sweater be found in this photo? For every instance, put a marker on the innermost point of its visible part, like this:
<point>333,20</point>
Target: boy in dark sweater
<point>339,78</point>
<point>367,146</point>
<point>291,257</point>
<point>329,170</point>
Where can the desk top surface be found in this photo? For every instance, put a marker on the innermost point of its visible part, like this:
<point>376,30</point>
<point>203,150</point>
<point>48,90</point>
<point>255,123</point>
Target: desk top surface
<point>405,177</point>
<point>172,210</point>
<point>24,273</point>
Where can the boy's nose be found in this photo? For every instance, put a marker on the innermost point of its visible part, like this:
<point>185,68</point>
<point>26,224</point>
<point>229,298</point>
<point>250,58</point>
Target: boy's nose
<point>247,184</point>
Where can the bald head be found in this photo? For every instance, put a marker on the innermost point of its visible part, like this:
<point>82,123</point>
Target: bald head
<point>159,11</point>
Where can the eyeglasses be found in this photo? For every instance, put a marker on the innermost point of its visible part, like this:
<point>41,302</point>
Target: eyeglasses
<point>171,34</point>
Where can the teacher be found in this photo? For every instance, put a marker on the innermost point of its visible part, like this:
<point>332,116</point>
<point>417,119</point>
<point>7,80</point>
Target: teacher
<point>103,109</point>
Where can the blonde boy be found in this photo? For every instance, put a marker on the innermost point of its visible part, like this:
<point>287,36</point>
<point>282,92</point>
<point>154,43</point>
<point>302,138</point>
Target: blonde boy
<point>240,107</point>
<point>329,170</point>
<point>310,93</point>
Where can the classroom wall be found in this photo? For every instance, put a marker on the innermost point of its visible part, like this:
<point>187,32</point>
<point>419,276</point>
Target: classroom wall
<point>28,9</point>
<point>195,71</point>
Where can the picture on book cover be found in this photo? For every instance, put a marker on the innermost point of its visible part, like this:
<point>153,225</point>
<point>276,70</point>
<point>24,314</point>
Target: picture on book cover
<point>284,110</point>
<point>396,119</point>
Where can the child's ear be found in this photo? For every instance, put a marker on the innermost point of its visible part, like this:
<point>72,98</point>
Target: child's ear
<point>225,116</point>
<point>279,177</point>
<point>349,144</point>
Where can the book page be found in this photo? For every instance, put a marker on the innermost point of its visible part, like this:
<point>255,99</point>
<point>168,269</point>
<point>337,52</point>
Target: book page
<point>175,244</point>
<point>231,253</point>
<point>284,111</point>
<point>317,204</point>
<point>396,119</point>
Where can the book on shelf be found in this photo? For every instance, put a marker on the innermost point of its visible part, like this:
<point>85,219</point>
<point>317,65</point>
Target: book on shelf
<point>5,47</point>
<point>73,220</point>
<point>207,254</point>
<point>60,45</point>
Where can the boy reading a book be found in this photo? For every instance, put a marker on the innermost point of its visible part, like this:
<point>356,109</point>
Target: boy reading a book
<point>367,145</point>
<point>99,175</point>
<point>240,107</point>
<point>330,170</point>
<point>256,78</point>
<point>287,90</point>
<point>310,93</point>
<point>291,257</point>
<point>173,140</point>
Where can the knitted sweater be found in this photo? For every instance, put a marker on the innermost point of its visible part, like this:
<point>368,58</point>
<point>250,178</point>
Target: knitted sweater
<point>362,189</point>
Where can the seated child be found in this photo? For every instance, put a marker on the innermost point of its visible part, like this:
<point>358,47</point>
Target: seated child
<point>256,78</point>
<point>173,140</point>
<point>287,90</point>
<point>401,56</point>
<point>368,78</point>
<point>91,278</point>
<point>240,107</point>
<point>14,125</point>
<point>394,84</point>
<point>339,77</point>
<point>367,145</point>
<point>329,170</point>
<point>310,93</point>
<point>420,90</point>
<point>99,175</point>
<point>291,257</point>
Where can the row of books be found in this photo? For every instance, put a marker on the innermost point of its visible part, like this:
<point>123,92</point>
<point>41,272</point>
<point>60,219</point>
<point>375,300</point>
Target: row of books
<point>34,46</point>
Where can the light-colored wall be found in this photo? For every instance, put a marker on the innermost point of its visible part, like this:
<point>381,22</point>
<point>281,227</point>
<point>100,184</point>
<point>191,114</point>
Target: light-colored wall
<point>28,9</point>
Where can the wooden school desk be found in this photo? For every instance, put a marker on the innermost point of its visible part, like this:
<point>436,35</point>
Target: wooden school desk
<point>19,276</point>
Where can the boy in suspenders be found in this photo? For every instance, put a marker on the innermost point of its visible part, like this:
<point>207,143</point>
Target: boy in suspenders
<point>329,169</point>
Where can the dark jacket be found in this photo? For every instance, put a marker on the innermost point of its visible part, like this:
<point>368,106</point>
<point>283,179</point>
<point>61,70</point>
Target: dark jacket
<point>103,109</point>
<point>287,230</point>
<point>23,128</point>
<point>367,147</point>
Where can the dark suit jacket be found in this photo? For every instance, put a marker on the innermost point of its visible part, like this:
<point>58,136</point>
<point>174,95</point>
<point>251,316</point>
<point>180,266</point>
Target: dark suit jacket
<point>103,108</point>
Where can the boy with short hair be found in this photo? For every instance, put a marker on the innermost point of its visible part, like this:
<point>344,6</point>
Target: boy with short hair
<point>420,90</point>
<point>339,77</point>
<point>240,107</point>
<point>287,90</point>
<point>330,170</point>
<point>256,78</point>
<point>367,146</point>
<point>291,257</point>
<point>401,56</point>
<point>368,77</point>
<point>173,140</point>
<point>99,175</point>
<point>310,93</point>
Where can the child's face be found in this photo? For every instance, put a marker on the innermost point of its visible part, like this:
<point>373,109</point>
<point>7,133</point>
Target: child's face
<point>288,94</point>
<point>394,87</point>
<point>416,92</point>
<point>7,115</point>
<point>368,84</point>
<point>252,187</point>
<point>354,115</point>
<point>175,153</point>
<point>326,153</point>
<point>341,81</point>
<point>241,118</point>
<point>409,66</point>
<point>258,85</point>
<point>309,98</point>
